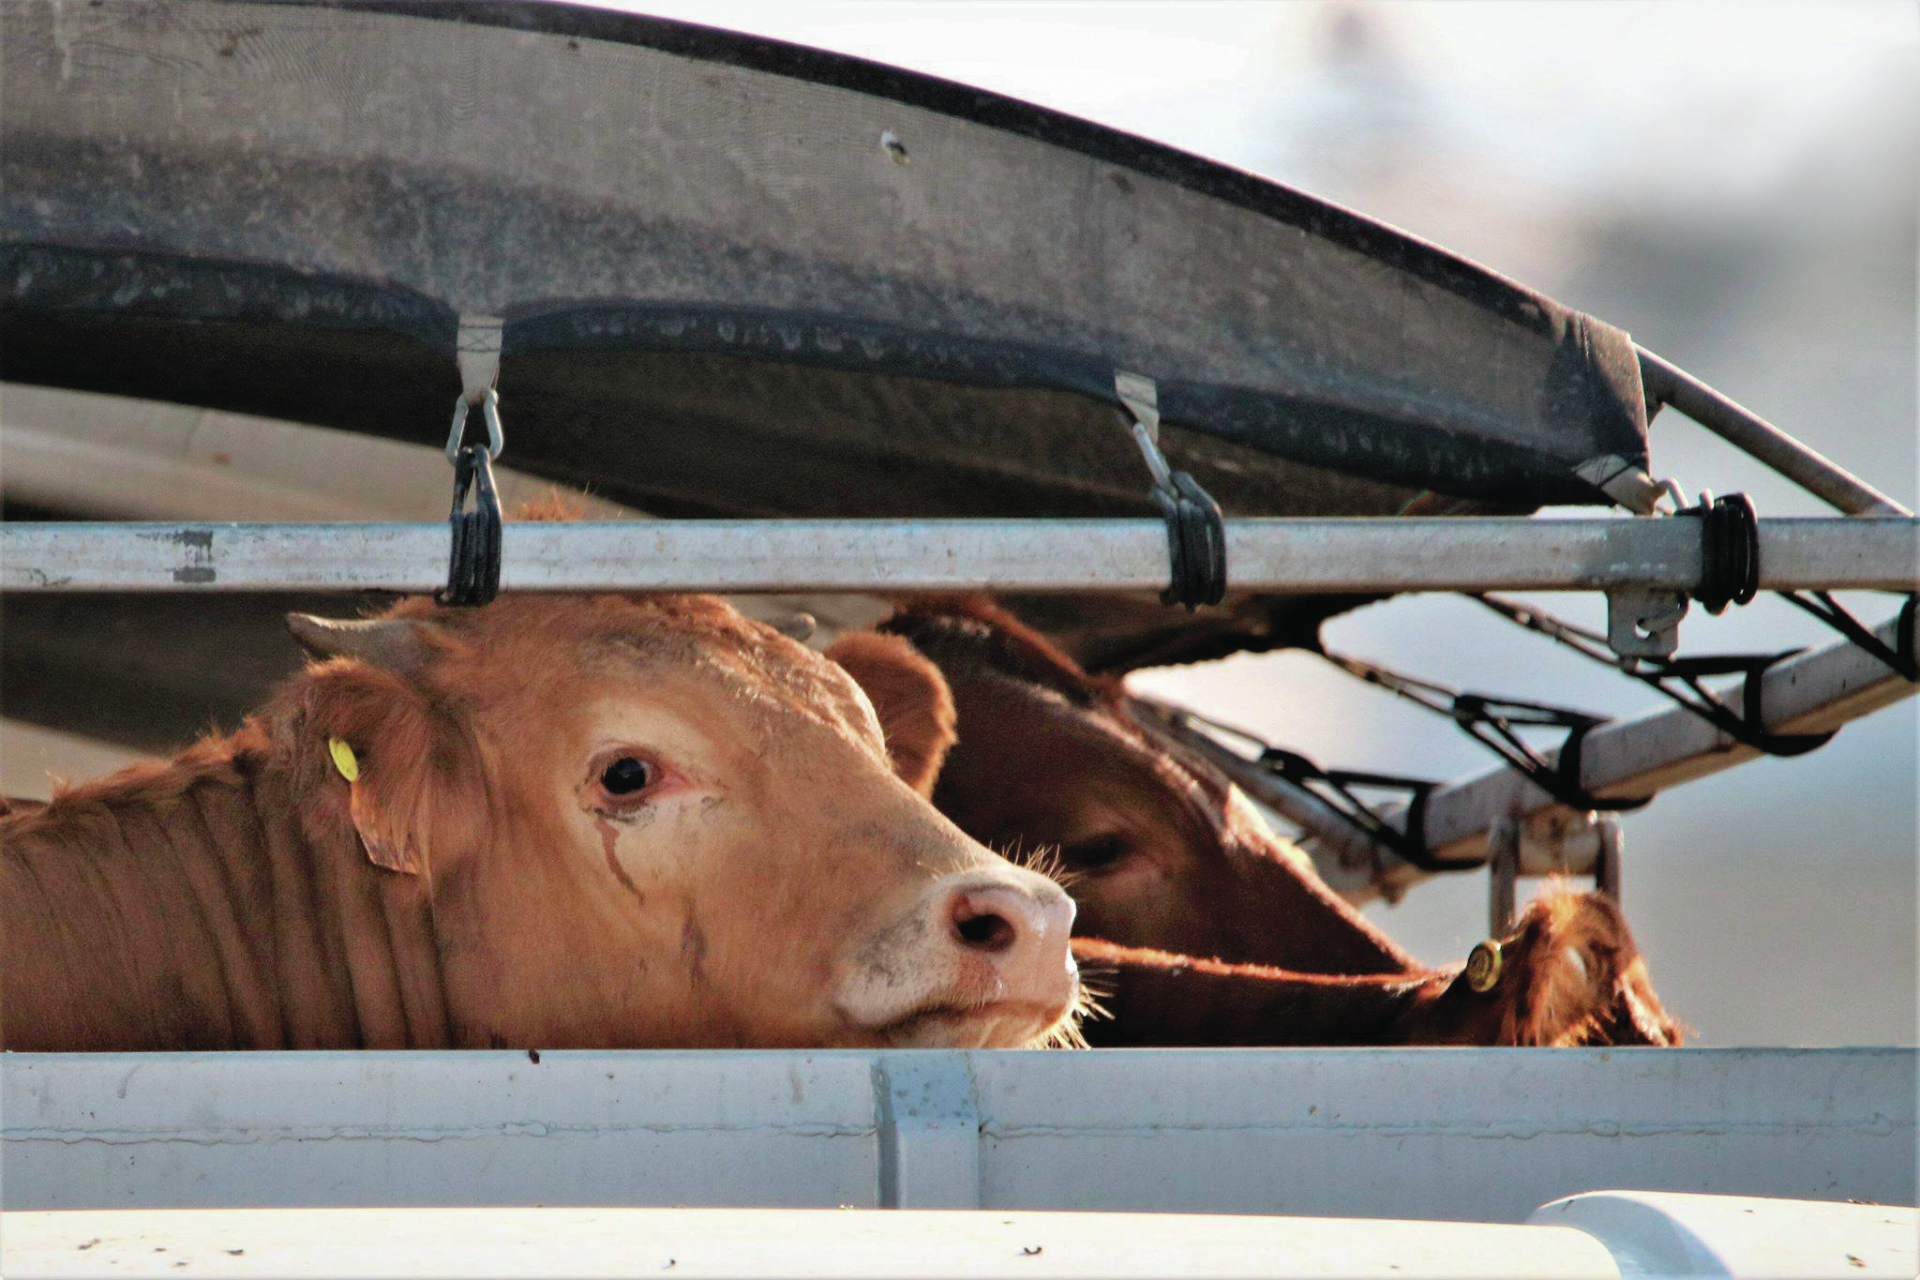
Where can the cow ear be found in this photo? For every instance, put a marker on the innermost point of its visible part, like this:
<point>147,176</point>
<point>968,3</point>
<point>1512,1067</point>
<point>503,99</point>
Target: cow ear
<point>394,845</point>
<point>911,697</point>
<point>407,774</point>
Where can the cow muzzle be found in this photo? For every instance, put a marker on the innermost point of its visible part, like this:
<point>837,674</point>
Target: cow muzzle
<point>982,961</point>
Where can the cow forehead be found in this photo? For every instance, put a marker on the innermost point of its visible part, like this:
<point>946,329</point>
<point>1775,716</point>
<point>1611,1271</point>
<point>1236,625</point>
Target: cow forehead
<point>1114,758</point>
<point>798,683</point>
<point>555,651</point>
<point>776,684</point>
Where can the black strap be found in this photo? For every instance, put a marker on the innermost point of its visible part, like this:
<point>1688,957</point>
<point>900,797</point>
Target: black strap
<point>1904,640</point>
<point>1335,789</point>
<point>1729,551</point>
<point>1196,542</point>
<point>1680,679</point>
<point>1495,723</point>
<point>473,570</point>
<point>1748,725</point>
<point>1900,657</point>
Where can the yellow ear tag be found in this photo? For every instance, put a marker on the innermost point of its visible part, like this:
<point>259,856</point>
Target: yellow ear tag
<point>343,759</point>
<point>1483,966</point>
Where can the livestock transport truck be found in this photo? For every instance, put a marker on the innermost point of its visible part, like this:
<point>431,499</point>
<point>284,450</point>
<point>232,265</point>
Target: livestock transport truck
<point>851,332</point>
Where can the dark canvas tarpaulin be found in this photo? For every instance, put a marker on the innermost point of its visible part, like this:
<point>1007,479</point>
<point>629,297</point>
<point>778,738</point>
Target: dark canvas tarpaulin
<point>656,204</point>
<point>740,277</point>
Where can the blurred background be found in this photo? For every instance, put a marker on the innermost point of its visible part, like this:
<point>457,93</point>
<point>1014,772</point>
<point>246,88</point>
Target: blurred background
<point>1733,183</point>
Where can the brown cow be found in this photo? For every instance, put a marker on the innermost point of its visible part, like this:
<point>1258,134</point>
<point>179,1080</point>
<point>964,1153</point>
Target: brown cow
<point>1160,849</point>
<point>1172,867</point>
<point>551,821</point>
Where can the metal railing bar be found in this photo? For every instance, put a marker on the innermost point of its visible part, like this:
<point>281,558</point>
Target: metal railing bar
<point>1815,692</point>
<point>1739,426</point>
<point>1381,555</point>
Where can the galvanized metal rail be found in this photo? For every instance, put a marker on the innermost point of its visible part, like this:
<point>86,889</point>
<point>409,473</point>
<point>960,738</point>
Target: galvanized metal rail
<point>1338,555</point>
<point>1813,693</point>
<point>1741,427</point>
<point>1637,757</point>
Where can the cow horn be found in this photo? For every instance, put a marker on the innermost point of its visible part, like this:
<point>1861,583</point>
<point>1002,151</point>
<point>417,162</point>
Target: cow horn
<point>797,625</point>
<point>394,643</point>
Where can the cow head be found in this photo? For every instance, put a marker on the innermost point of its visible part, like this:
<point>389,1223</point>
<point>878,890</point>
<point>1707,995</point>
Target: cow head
<point>648,821</point>
<point>1157,847</point>
<point>1569,973</point>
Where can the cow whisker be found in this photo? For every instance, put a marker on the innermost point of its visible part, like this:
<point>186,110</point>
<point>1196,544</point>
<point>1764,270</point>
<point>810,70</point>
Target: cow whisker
<point>1065,1035</point>
<point>1094,988</point>
<point>1069,1032</point>
<point>1089,1008</point>
<point>1043,860</point>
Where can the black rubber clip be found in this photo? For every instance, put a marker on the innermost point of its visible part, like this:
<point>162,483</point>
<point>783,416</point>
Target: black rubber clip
<point>1196,529</point>
<point>473,568</point>
<point>1196,542</point>
<point>1729,551</point>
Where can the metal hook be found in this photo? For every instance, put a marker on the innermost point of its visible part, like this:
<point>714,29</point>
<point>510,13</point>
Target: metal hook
<point>490,412</point>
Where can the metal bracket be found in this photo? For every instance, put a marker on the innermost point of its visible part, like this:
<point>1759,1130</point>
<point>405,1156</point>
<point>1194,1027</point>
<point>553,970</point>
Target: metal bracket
<point>1196,530</point>
<point>929,1131</point>
<point>476,348</point>
<point>1644,623</point>
<point>1631,487</point>
<point>1507,837</point>
<point>1503,874</point>
<point>1141,395</point>
<point>1606,866</point>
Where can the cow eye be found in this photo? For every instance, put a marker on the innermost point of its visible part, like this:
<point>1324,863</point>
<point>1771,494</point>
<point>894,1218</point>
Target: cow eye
<point>1096,853</point>
<point>625,776</point>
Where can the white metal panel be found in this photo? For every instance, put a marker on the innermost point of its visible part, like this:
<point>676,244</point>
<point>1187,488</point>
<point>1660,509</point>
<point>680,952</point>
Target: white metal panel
<point>436,1128</point>
<point>929,1123</point>
<point>718,1242</point>
<point>1440,1133</point>
<point>1461,1134</point>
<point>1658,1233</point>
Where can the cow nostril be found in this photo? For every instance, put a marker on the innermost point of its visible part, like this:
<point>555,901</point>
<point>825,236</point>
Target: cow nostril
<point>985,933</point>
<point>981,928</point>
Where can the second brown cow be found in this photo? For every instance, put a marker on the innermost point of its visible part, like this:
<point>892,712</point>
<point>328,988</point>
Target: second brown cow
<point>1204,927</point>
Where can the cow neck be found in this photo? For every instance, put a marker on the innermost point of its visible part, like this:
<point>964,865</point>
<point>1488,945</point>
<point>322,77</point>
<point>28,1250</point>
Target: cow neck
<point>1305,925</point>
<point>1162,999</point>
<point>359,939</point>
<point>198,904</point>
